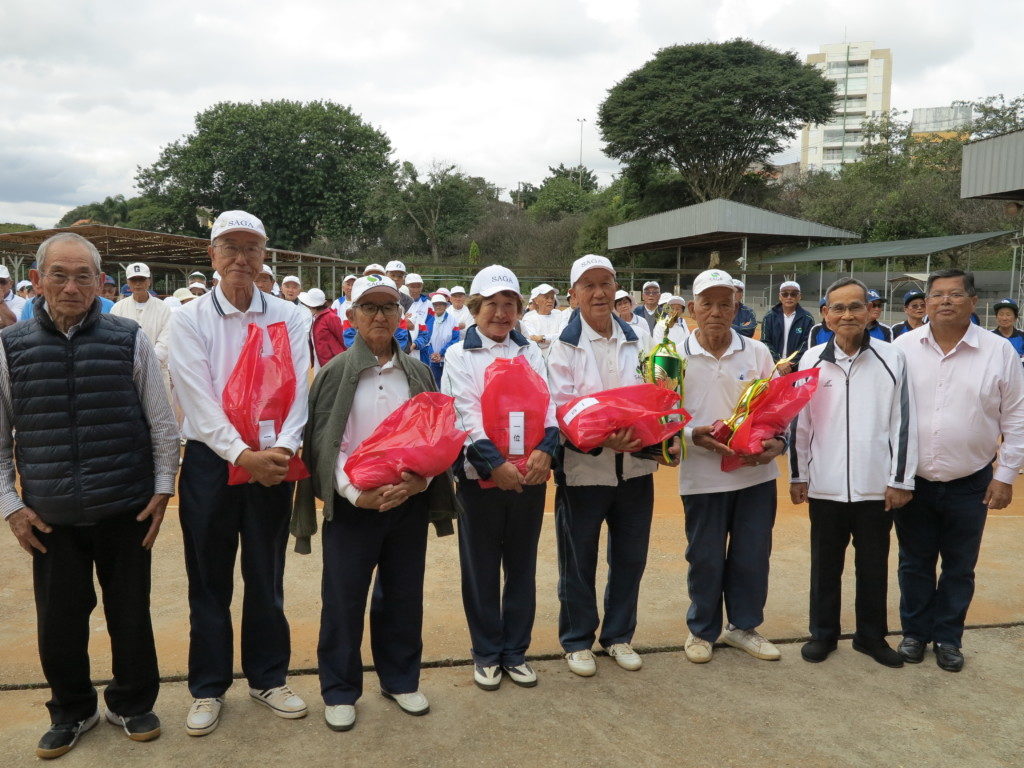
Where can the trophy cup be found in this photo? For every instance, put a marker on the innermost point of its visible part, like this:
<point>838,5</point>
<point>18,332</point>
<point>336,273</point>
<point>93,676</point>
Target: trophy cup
<point>665,367</point>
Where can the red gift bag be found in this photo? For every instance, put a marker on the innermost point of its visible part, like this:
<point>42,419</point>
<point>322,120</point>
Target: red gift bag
<point>590,420</point>
<point>258,395</point>
<point>771,414</point>
<point>513,406</point>
<point>419,436</point>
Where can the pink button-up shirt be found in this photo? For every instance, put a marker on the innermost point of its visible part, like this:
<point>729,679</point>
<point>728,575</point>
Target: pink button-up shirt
<point>965,400</point>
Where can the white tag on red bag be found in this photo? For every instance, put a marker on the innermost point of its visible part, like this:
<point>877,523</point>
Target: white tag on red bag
<point>268,434</point>
<point>579,408</point>
<point>516,433</point>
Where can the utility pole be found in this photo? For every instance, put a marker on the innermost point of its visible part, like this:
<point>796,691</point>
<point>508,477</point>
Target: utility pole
<point>581,121</point>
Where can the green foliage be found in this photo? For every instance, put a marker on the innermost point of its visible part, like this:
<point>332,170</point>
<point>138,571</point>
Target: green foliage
<point>560,195</point>
<point>580,175</point>
<point>994,115</point>
<point>6,227</point>
<point>306,169</point>
<point>474,253</point>
<point>711,110</point>
<point>525,195</point>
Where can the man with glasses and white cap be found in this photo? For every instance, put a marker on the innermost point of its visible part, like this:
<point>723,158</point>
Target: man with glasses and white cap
<point>786,327</point>
<point>541,324</point>
<point>597,351</point>
<point>206,338</point>
<point>745,322</point>
<point>650,295</point>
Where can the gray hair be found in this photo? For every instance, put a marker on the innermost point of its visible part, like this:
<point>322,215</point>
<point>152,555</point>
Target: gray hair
<point>842,282</point>
<point>67,237</point>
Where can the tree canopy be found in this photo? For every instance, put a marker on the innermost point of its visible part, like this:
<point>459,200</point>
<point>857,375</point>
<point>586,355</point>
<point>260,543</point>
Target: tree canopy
<point>711,110</point>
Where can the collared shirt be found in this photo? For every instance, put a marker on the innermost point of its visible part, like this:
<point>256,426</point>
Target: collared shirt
<point>206,338</point>
<point>379,393</point>
<point>606,352</point>
<point>965,401</point>
<point>163,429</point>
<point>153,316</point>
<point>712,389</point>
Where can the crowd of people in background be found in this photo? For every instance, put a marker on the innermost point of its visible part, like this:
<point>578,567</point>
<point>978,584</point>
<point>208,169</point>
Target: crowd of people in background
<point>102,388</point>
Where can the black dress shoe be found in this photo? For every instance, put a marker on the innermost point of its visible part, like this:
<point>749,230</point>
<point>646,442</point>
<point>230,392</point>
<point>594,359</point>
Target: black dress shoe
<point>948,657</point>
<point>912,650</point>
<point>880,652</point>
<point>817,651</point>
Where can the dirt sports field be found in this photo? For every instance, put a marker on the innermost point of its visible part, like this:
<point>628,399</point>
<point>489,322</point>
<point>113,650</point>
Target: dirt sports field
<point>735,711</point>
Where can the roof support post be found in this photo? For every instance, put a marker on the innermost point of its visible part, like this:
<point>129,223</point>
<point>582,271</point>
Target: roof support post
<point>821,279</point>
<point>928,265</point>
<point>887,289</point>
<point>743,277</point>
<point>679,266</point>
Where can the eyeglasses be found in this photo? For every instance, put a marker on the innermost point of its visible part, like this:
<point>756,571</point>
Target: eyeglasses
<point>841,309</point>
<point>371,310</point>
<point>954,296</point>
<point>250,251</point>
<point>790,294</point>
<point>59,278</point>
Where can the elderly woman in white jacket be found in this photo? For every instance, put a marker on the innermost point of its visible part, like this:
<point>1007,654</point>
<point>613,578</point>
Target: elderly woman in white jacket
<point>542,324</point>
<point>500,527</point>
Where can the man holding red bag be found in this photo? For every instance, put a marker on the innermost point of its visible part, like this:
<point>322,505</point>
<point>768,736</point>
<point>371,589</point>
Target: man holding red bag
<point>729,515</point>
<point>207,337</point>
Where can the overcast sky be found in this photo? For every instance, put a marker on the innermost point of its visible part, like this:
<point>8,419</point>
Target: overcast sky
<point>91,90</point>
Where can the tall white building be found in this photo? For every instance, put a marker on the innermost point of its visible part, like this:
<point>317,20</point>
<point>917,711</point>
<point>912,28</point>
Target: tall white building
<point>863,78</point>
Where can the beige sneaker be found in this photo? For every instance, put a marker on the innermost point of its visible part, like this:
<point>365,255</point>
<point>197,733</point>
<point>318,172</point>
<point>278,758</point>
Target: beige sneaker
<point>203,716</point>
<point>625,656</point>
<point>697,650</point>
<point>582,662</point>
<point>751,641</point>
<point>282,701</point>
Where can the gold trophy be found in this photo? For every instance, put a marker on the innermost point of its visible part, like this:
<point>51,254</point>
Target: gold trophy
<point>665,367</point>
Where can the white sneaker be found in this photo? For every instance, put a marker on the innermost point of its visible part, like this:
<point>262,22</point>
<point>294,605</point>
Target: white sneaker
<point>751,641</point>
<point>340,717</point>
<point>582,662</point>
<point>203,716</point>
<point>282,701</point>
<point>697,650</point>
<point>625,656</point>
<point>414,703</point>
<point>487,678</point>
<point>522,675</point>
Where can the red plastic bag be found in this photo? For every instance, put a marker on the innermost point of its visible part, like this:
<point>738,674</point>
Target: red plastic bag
<point>771,414</point>
<point>515,399</point>
<point>261,389</point>
<point>590,420</point>
<point>420,436</point>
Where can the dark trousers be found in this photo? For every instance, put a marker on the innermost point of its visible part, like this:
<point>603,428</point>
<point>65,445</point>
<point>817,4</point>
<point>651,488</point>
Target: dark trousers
<point>63,583</point>
<point>729,543</point>
<point>942,520</point>
<point>833,523</point>
<point>357,541</point>
<point>215,517</point>
<point>579,513</point>
<point>499,532</point>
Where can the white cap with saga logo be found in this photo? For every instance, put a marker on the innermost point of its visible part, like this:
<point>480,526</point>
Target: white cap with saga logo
<point>590,261</point>
<point>372,283</point>
<point>237,221</point>
<point>712,278</point>
<point>494,279</point>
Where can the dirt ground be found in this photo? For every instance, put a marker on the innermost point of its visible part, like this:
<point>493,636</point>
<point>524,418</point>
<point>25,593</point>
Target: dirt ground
<point>734,711</point>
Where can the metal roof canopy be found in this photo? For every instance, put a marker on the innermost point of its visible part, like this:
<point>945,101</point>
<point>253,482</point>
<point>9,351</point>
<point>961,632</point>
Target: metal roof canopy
<point>157,249</point>
<point>993,168</point>
<point>890,249</point>
<point>720,224</point>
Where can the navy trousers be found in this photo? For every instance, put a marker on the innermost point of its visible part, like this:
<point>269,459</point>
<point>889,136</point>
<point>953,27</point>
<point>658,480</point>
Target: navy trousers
<point>833,523</point>
<point>942,520</point>
<point>215,517</point>
<point>729,543</point>
<point>498,532</point>
<point>579,512</point>
<point>355,543</point>
<point>63,582</point>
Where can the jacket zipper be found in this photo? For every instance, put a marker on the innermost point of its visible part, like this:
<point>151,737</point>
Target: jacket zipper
<point>73,413</point>
<point>849,494</point>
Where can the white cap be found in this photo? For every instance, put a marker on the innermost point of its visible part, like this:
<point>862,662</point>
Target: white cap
<point>738,285</point>
<point>237,221</point>
<point>437,296</point>
<point>372,283</point>
<point>495,279</point>
<point>314,297</point>
<point>197,272</point>
<point>22,284</point>
<point>373,268</point>
<point>789,284</point>
<point>712,278</point>
<point>620,294</point>
<point>194,285</point>
<point>347,278</point>
<point>268,271</point>
<point>457,289</point>
<point>291,279</point>
<point>649,283</point>
<point>5,273</point>
<point>590,261</point>
<point>216,276</point>
<point>677,300</point>
<point>663,299</point>
<point>541,290</point>
<point>412,277</point>
<point>184,294</point>
<point>138,269</point>
<point>404,290</point>
<point>445,292</point>
<point>395,266</point>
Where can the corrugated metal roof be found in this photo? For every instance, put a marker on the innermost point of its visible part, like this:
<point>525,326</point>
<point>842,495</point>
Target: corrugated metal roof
<point>922,246</point>
<point>993,168</point>
<point>716,221</point>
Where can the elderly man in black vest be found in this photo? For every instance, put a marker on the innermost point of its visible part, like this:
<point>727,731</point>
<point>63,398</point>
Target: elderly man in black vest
<point>96,453</point>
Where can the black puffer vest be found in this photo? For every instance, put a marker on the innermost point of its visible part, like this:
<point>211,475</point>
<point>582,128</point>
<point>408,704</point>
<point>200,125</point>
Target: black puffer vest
<point>82,443</point>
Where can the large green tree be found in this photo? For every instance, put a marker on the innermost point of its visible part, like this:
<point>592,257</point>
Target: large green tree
<point>307,169</point>
<point>711,110</point>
